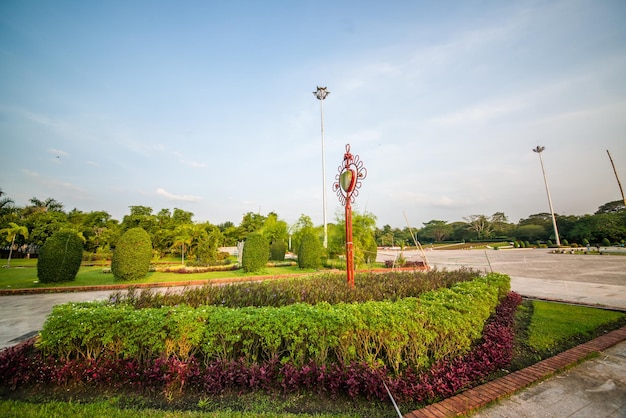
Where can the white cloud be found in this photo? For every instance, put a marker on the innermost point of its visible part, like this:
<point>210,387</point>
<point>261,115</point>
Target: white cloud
<point>182,198</point>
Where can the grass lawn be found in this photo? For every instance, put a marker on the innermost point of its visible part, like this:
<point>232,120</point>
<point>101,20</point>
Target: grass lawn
<point>109,409</point>
<point>553,323</point>
<point>23,275</point>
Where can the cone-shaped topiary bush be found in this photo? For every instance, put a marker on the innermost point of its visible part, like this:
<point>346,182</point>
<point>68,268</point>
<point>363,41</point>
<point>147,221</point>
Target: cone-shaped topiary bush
<point>277,250</point>
<point>132,255</point>
<point>255,253</point>
<point>59,258</point>
<point>310,251</point>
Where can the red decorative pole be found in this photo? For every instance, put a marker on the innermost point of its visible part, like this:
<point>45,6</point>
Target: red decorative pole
<point>347,185</point>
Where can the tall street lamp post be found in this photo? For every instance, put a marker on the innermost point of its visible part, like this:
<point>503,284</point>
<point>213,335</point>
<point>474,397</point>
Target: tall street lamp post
<point>347,185</point>
<point>321,94</point>
<point>539,150</point>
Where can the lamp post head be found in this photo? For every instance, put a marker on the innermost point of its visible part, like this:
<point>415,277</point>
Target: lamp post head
<point>321,93</point>
<point>539,149</point>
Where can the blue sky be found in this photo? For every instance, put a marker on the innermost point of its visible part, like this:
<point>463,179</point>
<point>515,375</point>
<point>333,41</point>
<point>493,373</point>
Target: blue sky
<point>207,106</point>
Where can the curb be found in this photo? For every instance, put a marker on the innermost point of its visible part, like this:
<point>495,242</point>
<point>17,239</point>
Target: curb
<point>485,394</point>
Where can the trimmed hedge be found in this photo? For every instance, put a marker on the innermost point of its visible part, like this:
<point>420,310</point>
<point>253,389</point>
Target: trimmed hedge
<point>278,250</point>
<point>132,255</point>
<point>256,252</point>
<point>411,332</point>
<point>310,252</point>
<point>60,257</point>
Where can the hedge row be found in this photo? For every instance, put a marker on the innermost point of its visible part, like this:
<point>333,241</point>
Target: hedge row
<point>25,367</point>
<point>411,332</point>
<point>313,289</point>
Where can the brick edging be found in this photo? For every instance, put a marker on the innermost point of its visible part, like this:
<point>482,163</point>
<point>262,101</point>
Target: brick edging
<point>481,396</point>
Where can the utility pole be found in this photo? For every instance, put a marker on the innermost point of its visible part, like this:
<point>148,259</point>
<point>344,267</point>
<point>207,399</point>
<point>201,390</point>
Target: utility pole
<point>617,177</point>
<point>539,150</point>
<point>321,94</point>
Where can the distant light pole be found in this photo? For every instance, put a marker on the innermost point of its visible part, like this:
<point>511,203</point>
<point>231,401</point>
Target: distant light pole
<point>539,150</point>
<point>347,185</point>
<point>321,94</point>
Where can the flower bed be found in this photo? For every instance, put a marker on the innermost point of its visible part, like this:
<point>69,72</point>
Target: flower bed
<point>423,347</point>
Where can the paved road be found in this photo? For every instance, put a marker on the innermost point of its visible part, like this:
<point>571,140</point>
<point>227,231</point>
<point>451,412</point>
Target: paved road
<point>587,279</point>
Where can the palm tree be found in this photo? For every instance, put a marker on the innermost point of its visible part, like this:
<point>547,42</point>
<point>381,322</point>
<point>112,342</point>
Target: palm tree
<point>48,205</point>
<point>5,201</point>
<point>184,235</point>
<point>12,231</point>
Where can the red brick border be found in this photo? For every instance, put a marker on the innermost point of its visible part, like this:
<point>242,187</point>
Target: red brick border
<point>503,387</point>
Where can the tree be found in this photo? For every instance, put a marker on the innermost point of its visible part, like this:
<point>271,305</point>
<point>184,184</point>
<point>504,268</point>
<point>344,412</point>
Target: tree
<point>230,233</point>
<point>303,224</point>
<point>500,225</point>
<point>132,255</point>
<point>479,224</point>
<point>183,236</point>
<point>611,207</point>
<point>209,247</point>
<point>60,257</point>
<point>48,205</point>
<point>274,229</point>
<point>43,224</point>
<point>363,237</point>
<point>435,230</point>
<point>256,252</point>
<point>6,203</point>
<point>11,232</point>
<point>140,217</point>
<point>530,232</point>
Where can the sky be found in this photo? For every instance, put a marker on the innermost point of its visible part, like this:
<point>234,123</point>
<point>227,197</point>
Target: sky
<point>207,106</point>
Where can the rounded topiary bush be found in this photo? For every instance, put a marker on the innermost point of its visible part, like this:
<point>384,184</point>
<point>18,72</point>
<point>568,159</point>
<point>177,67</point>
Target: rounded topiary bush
<point>310,251</point>
<point>60,257</point>
<point>277,250</point>
<point>255,253</point>
<point>132,255</point>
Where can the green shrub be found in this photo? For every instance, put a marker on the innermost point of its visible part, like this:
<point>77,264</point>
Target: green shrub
<point>277,250</point>
<point>60,257</point>
<point>255,253</point>
<point>410,332</point>
<point>132,255</point>
<point>310,251</point>
<point>606,242</point>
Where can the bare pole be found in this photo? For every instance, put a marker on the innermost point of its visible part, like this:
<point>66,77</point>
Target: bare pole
<point>321,94</point>
<point>539,150</point>
<point>417,243</point>
<point>617,177</point>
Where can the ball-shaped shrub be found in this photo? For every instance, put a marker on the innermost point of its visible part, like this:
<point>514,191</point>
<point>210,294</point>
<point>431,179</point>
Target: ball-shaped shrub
<point>256,252</point>
<point>310,251</point>
<point>277,250</point>
<point>132,255</point>
<point>59,258</point>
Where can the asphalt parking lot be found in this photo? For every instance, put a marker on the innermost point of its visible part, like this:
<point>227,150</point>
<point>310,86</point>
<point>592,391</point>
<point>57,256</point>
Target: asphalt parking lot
<point>539,273</point>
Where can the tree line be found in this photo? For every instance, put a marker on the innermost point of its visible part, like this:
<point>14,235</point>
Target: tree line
<point>175,233</point>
